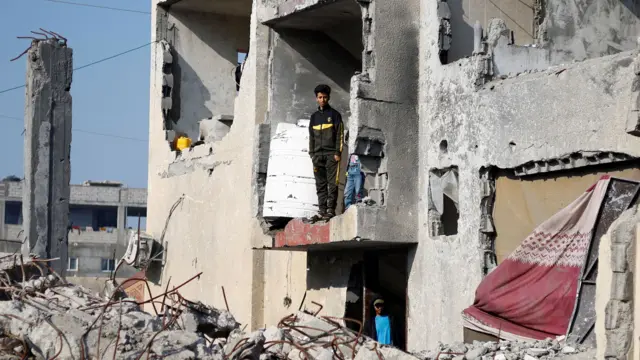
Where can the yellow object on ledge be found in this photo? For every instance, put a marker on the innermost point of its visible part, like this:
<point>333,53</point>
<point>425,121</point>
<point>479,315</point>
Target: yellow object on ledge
<point>183,143</point>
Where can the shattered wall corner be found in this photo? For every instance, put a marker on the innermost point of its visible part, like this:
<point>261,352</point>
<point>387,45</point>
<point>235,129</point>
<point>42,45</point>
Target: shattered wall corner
<point>487,228</point>
<point>633,117</point>
<point>615,287</point>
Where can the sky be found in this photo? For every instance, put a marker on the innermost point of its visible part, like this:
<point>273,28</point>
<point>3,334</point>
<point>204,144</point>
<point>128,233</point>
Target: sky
<point>110,98</point>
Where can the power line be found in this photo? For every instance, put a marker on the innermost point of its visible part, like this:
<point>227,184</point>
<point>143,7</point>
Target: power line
<point>88,65</point>
<point>85,131</point>
<point>113,56</point>
<point>99,6</point>
<point>13,88</point>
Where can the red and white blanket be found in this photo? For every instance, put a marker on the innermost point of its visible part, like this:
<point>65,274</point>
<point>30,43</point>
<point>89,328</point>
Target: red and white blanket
<point>532,293</point>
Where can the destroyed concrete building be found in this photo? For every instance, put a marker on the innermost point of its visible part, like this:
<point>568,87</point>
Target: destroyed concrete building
<point>475,121</point>
<point>101,215</point>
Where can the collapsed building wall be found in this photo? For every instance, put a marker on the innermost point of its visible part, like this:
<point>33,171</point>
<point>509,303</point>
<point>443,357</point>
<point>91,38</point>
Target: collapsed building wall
<point>203,201</point>
<point>472,119</point>
<point>299,61</point>
<point>383,127</point>
<point>616,324</point>
<point>205,47</point>
<point>576,31</point>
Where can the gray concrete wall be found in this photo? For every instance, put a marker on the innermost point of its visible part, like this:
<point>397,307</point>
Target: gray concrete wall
<point>577,30</point>
<point>213,226</point>
<point>590,29</point>
<point>505,123</point>
<point>299,61</point>
<point>87,195</point>
<point>204,66</point>
<point>405,94</point>
<point>615,302</point>
<point>384,101</point>
<point>327,280</point>
<point>10,246</point>
<point>518,14</point>
<point>88,246</point>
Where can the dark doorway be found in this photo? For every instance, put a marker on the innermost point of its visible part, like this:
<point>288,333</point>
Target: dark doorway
<point>382,273</point>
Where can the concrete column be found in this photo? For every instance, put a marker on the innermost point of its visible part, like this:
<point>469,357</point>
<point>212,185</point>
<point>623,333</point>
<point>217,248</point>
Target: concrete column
<point>2,210</point>
<point>122,216</point>
<point>47,146</point>
<point>3,196</point>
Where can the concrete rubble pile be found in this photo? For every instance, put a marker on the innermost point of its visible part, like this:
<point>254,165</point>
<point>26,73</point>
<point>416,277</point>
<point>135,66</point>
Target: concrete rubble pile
<point>44,317</point>
<point>510,350</point>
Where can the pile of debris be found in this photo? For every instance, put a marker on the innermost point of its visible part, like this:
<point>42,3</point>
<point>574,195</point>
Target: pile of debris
<point>44,317</point>
<point>510,350</point>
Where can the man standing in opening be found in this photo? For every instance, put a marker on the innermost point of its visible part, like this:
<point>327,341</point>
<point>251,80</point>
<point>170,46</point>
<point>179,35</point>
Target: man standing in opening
<point>381,328</point>
<point>325,148</point>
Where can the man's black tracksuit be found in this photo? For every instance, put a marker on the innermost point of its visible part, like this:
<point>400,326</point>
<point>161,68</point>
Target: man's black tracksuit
<point>326,136</point>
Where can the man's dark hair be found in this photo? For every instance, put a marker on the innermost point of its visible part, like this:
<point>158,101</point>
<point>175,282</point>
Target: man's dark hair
<point>322,88</point>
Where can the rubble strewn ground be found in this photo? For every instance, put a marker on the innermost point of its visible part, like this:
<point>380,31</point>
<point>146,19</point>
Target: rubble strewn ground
<point>43,317</point>
<point>510,350</point>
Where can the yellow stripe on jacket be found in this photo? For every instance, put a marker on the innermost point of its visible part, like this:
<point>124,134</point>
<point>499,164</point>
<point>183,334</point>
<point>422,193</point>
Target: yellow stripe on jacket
<point>322,126</point>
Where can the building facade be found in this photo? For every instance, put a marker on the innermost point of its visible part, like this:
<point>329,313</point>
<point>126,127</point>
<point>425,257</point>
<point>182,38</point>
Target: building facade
<point>101,216</point>
<point>474,121</point>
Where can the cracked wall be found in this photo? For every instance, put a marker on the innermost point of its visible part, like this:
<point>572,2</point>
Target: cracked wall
<point>506,121</point>
<point>299,61</point>
<point>407,114</point>
<point>383,127</point>
<point>617,274</point>
<point>576,30</point>
<point>203,202</point>
<point>205,51</point>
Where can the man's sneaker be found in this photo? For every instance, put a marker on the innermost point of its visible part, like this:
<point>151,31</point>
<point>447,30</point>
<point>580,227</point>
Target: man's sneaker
<point>329,215</point>
<point>317,217</point>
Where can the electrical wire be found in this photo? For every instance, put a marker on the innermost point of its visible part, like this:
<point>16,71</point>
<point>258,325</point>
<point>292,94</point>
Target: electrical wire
<point>113,56</point>
<point>85,131</point>
<point>90,64</point>
<point>98,6</point>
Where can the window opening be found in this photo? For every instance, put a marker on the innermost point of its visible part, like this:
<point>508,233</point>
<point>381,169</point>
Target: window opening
<point>108,265</point>
<point>135,215</point>
<point>72,264</point>
<point>443,204</point>
<point>96,218</point>
<point>242,56</point>
<point>13,213</point>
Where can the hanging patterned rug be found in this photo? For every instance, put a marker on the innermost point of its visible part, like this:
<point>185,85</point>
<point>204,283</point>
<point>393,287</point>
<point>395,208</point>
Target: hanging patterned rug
<point>532,293</point>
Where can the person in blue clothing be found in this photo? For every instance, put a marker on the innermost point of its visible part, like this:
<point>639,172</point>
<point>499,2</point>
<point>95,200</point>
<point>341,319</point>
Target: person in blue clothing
<point>381,327</point>
<point>355,178</point>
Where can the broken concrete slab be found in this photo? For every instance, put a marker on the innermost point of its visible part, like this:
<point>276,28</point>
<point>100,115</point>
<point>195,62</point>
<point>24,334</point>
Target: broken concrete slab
<point>197,317</point>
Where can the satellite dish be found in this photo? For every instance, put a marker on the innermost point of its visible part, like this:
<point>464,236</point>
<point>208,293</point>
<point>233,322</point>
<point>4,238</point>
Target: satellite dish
<point>133,247</point>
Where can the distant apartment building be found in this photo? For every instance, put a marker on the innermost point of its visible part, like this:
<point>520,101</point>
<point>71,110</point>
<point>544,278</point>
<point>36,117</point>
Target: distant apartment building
<point>101,216</point>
